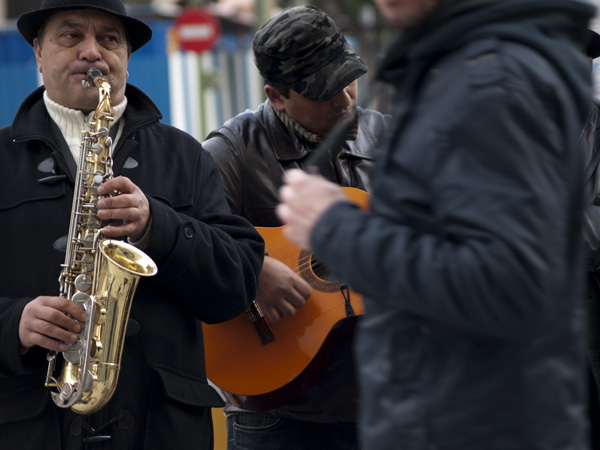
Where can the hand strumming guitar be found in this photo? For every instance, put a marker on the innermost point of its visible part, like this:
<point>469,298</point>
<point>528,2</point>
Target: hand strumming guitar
<point>280,291</point>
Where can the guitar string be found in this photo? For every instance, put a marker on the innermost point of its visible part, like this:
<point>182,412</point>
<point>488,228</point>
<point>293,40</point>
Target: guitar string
<point>304,264</point>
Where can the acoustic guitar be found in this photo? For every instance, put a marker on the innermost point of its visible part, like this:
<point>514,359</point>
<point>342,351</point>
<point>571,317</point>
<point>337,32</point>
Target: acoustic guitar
<point>262,365</point>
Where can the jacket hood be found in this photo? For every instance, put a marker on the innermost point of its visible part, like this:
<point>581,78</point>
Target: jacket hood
<point>551,27</point>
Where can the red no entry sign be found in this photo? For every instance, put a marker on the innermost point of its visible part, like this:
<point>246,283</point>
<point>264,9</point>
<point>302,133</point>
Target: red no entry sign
<point>197,29</point>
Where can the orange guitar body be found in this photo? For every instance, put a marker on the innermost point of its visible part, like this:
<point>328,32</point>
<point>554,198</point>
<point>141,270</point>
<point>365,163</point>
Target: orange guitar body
<point>258,373</point>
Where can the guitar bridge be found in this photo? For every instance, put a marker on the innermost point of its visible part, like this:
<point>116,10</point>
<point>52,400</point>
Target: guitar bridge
<point>258,321</point>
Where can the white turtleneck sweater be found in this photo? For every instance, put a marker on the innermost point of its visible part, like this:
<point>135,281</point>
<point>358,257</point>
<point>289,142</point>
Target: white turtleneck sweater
<point>72,122</point>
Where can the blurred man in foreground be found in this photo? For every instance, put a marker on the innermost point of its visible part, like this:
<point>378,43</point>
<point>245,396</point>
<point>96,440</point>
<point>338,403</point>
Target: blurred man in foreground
<point>470,258</point>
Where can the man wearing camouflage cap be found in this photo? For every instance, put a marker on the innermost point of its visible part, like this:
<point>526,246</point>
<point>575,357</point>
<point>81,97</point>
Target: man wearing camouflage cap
<point>310,75</point>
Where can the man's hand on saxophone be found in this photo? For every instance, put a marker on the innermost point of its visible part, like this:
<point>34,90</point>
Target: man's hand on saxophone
<point>50,322</point>
<point>131,206</point>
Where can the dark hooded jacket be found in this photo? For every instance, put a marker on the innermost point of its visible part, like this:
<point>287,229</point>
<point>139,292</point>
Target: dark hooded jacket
<point>208,263</point>
<point>471,258</point>
<point>591,141</point>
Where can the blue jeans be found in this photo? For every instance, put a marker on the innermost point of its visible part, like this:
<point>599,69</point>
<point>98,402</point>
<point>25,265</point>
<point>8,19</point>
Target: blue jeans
<point>256,431</point>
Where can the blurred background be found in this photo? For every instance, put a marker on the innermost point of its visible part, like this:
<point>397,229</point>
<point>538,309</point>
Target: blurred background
<point>198,68</point>
<point>595,25</point>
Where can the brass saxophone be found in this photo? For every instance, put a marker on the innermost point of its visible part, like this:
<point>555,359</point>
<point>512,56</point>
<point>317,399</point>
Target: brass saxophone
<point>99,274</point>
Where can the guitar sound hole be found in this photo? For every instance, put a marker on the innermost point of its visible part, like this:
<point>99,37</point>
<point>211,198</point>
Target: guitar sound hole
<point>321,270</point>
<point>318,276</point>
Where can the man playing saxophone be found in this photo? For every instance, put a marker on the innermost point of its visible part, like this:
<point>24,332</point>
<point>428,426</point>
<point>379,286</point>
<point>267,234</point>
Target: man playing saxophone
<point>165,198</point>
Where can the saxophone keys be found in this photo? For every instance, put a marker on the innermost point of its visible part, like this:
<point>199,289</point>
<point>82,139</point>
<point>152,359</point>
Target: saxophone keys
<point>87,382</point>
<point>65,393</point>
<point>87,263</point>
<point>94,224</point>
<point>88,242</point>
<point>72,354</point>
<point>83,283</point>
<point>102,132</point>
<point>81,298</point>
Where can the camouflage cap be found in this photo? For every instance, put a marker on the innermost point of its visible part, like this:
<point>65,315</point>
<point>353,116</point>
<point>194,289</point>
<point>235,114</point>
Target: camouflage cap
<point>303,49</point>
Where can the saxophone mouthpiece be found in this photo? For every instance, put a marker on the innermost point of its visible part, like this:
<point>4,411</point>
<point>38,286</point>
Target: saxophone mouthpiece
<point>92,74</point>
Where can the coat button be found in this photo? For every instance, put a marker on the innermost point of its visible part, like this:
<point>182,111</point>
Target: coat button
<point>188,232</point>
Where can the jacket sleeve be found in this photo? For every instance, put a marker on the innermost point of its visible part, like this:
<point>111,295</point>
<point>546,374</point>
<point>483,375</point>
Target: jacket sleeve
<point>12,362</point>
<point>224,147</point>
<point>591,232</point>
<point>475,226</point>
<point>591,224</point>
<point>208,257</point>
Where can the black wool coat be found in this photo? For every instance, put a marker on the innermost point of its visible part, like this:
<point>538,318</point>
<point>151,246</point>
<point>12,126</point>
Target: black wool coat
<point>208,263</point>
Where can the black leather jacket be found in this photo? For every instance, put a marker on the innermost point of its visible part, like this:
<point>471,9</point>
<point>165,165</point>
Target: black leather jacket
<point>253,149</point>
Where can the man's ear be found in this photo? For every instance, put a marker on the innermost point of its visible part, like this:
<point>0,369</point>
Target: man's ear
<point>37,50</point>
<point>275,97</point>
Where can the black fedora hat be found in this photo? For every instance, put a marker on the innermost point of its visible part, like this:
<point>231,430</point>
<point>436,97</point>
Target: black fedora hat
<point>138,32</point>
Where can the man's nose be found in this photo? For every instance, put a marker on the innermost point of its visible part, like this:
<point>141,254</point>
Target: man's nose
<point>90,49</point>
<point>342,98</point>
